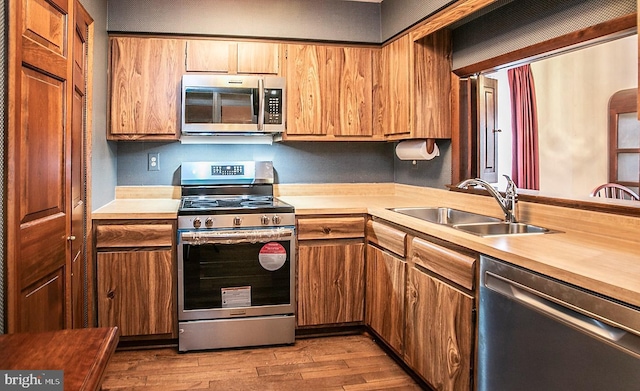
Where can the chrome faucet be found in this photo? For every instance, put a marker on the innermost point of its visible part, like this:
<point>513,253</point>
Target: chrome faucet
<point>507,203</point>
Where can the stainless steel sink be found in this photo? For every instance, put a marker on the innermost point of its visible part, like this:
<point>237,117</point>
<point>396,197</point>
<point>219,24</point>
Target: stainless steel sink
<point>502,228</point>
<point>470,222</point>
<point>446,216</point>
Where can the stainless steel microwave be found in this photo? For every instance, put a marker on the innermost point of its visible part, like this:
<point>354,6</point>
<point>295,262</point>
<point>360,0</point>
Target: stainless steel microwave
<point>233,104</point>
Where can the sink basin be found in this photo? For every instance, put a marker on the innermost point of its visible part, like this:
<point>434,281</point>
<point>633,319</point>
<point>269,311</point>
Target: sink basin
<point>446,216</point>
<point>501,228</point>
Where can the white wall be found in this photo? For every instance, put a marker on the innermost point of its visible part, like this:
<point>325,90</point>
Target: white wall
<point>573,92</point>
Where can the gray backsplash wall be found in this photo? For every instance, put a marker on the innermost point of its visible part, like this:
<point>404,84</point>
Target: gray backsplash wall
<point>294,162</point>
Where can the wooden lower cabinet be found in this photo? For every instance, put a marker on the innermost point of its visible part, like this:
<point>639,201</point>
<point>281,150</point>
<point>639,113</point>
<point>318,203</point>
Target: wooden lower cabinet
<point>136,278</point>
<point>439,331</point>
<point>135,292</point>
<point>330,283</point>
<point>385,296</point>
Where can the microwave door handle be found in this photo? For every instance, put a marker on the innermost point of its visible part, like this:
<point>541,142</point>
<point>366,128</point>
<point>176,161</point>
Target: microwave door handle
<point>261,99</point>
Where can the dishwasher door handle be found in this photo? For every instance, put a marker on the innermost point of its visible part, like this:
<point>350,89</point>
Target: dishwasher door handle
<point>561,311</point>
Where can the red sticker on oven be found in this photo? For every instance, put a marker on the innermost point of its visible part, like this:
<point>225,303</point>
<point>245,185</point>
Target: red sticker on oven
<point>272,256</point>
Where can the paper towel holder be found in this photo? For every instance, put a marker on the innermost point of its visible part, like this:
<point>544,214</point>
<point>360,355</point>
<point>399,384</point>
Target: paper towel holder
<point>417,149</point>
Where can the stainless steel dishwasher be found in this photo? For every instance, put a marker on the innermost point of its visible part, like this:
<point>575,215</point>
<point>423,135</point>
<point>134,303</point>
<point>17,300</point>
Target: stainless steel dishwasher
<point>535,333</point>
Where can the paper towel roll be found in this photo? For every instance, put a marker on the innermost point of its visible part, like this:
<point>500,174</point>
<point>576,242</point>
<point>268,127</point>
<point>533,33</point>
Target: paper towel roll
<point>416,150</point>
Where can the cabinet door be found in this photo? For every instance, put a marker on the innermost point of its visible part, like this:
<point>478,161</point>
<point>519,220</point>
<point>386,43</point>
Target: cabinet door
<point>346,92</point>
<point>304,99</point>
<point>146,75</point>
<point>211,56</point>
<point>391,89</point>
<point>385,296</point>
<point>438,340</point>
<point>330,284</point>
<point>136,292</point>
<point>258,57</point>
<point>431,96</point>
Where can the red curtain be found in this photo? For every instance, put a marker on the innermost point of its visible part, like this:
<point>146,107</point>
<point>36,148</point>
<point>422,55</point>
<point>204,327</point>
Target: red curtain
<point>524,125</point>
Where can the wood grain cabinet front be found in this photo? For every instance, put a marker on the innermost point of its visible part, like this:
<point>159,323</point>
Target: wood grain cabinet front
<point>329,92</point>
<point>330,288</point>
<point>386,271</point>
<point>412,88</point>
<point>136,278</point>
<point>145,79</point>
<point>232,57</point>
<point>440,315</point>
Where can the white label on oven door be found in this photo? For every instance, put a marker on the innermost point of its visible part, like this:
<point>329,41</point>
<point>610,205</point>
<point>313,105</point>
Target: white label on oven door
<point>272,256</point>
<point>236,297</point>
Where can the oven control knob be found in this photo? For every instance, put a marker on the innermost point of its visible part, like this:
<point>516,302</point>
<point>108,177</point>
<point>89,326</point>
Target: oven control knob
<point>208,222</point>
<point>197,223</point>
<point>265,220</point>
<point>237,220</point>
<point>276,219</point>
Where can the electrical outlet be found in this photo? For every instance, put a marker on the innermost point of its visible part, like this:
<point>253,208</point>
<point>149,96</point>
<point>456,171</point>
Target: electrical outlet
<point>153,162</point>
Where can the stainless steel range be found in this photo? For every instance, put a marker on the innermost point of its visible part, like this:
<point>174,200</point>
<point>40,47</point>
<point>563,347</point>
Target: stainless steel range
<point>236,258</point>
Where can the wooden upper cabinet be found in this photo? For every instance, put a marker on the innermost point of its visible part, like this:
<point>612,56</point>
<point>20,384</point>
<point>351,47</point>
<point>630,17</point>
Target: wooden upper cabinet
<point>258,57</point>
<point>432,85</point>
<point>229,57</point>
<point>391,88</point>
<point>304,102</point>
<point>329,91</point>
<point>412,88</point>
<point>210,56</point>
<point>146,75</point>
<point>347,91</point>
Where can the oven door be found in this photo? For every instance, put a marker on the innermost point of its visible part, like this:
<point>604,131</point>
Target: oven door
<point>236,273</point>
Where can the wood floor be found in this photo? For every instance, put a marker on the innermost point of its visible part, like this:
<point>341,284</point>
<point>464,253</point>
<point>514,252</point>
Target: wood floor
<point>353,362</point>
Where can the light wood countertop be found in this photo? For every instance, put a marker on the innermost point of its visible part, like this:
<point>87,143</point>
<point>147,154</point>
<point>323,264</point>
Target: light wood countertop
<point>596,251</point>
<point>586,252</point>
<point>138,208</point>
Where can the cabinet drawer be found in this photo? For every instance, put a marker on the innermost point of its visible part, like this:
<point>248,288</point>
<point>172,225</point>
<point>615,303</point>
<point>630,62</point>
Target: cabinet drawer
<point>387,237</point>
<point>331,228</point>
<point>454,266</point>
<point>134,235</point>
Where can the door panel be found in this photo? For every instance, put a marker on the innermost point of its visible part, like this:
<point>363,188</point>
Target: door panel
<point>79,267</point>
<point>45,300</point>
<point>37,166</point>
<point>488,129</point>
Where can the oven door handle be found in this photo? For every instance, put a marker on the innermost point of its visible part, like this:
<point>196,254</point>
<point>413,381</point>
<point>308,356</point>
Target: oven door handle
<point>240,236</point>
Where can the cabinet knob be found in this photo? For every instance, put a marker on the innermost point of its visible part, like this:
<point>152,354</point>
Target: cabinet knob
<point>111,294</point>
<point>71,238</point>
<point>326,230</point>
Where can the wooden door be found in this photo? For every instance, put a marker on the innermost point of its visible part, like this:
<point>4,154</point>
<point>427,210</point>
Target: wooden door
<point>438,340</point>
<point>38,169</point>
<point>79,264</point>
<point>304,97</point>
<point>385,296</point>
<point>488,129</point>
<point>146,76</point>
<point>330,284</point>
<point>346,91</point>
<point>136,291</point>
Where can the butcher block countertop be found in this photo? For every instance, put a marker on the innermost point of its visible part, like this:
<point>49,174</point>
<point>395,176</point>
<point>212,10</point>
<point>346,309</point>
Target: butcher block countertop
<point>596,251</point>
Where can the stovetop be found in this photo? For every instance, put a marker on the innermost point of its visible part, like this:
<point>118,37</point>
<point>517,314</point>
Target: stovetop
<point>238,204</point>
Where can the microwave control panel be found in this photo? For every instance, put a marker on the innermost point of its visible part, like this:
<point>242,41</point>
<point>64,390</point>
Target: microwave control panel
<point>273,106</point>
